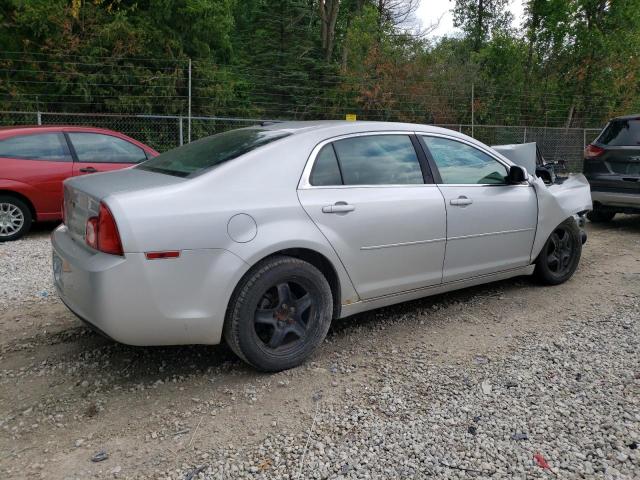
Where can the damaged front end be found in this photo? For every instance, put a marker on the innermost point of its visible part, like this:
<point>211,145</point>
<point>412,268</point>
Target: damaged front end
<point>556,203</point>
<point>559,198</point>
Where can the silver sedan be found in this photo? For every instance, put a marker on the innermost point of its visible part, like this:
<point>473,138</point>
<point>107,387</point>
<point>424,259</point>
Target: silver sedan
<point>263,235</point>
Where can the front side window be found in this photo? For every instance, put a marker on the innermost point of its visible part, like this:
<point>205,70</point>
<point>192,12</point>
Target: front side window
<point>378,160</point>
<point>459,163</point>
<point>99,148</point>
<point>208,152</point>
<point>40,146</point>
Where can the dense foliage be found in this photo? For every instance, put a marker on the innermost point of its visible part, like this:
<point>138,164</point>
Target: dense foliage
<point>570,62</point>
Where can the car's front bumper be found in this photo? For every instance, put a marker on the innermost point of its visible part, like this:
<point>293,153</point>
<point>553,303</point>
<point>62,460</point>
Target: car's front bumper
<point>146,302</point>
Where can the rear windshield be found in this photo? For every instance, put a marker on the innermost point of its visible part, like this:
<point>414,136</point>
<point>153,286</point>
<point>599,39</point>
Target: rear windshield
<point>621,132</point>
<point>203,154</point>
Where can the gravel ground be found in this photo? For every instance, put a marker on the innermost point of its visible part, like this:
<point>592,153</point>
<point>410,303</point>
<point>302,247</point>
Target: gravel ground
<point>509,380</point>
<point>572,399</point>
<point>25,267</point>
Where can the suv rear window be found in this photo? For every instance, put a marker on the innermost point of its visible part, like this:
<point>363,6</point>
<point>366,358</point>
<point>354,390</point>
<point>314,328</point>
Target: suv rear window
<point>196,157</point>
<point>621,132</point>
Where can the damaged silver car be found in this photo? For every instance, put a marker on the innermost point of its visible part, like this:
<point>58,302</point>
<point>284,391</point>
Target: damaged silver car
<point>264,235</point>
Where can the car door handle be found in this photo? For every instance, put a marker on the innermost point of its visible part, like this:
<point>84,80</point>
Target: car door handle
<point>461,201</point>
<point>88,170</point>
<point>338,207</point>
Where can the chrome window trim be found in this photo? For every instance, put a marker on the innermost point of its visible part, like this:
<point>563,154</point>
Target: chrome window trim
<point>304,184</point>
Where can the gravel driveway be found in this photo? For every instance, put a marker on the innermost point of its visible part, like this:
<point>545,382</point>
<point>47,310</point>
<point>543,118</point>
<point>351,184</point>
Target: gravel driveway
<point>509,380</point>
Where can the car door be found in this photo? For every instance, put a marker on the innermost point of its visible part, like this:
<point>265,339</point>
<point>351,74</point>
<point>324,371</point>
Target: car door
<point>99,152</point>
<point>42,161</point>
<point>367,194</point>
<point>491,225</point>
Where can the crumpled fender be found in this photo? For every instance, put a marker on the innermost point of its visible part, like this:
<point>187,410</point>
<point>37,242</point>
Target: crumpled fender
<point>558,202</point>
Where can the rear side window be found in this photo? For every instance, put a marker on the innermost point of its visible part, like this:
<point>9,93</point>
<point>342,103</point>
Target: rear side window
<point>208,152</point>
<point>326,171</point>
<point>621,132</point>
<point>378,160</point>
<point>99,148</point>
<point>41,146</point>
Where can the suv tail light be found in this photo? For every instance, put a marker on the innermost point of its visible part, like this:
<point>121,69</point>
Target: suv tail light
<point>593,151</point>
<point>101,232</point>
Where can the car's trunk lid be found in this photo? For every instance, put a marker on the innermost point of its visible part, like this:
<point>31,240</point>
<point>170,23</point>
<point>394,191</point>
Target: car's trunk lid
<point>82,195</point>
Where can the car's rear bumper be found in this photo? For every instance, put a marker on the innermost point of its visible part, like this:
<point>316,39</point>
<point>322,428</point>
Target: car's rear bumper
<point>146,302</point>
<point>615,199</point>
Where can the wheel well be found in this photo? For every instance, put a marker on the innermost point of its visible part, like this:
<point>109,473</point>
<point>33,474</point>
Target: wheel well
<point>324,265</point>
<point>19,196</point>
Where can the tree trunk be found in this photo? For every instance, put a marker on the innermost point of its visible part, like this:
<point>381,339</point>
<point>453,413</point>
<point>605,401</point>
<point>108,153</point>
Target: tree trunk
<point>479,27</point>
<point>328,18</point>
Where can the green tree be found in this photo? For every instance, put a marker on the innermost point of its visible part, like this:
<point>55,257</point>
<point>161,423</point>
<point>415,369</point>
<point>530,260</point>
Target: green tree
<point>478,19</point>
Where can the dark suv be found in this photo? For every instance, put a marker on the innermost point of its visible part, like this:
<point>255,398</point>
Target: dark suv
<point>612,166</point>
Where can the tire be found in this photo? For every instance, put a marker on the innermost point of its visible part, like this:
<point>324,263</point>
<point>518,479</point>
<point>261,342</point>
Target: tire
<point>15,218</point>
<point>279,314</point>
<point>560,255</point>
<point>599,215</point>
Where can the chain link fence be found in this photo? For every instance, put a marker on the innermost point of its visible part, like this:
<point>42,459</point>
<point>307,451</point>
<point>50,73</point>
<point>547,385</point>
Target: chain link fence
<point>163,132</point>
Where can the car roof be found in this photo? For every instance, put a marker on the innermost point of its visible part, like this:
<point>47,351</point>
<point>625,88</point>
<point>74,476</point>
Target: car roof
<point>54,128</point>
<point>634,116</point>
<point>344,126</point>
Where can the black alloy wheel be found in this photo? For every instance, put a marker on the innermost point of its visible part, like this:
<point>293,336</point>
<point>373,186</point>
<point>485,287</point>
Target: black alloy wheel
<point>281,317</point>
<point>560,255</point>
<point>279,313</point>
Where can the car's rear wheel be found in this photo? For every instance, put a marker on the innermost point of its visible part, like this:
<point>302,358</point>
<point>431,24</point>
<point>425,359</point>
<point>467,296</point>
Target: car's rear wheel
<point>15,218</point>
<point>279,314</point>
<point>598,215</point>
<point>560,255</point>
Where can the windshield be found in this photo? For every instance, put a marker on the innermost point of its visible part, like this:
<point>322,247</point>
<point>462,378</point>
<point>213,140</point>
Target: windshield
<point>621,132</point>
<point>203,154</point>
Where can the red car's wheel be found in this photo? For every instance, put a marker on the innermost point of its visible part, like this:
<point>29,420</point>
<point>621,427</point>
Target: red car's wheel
<point>15,218</point>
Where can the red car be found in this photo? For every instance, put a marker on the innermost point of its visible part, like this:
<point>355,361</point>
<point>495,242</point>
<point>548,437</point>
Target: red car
<point>34,161</point>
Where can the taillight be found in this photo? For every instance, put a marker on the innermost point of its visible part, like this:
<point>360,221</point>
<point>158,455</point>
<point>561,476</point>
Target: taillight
<point>593,151</point>
<point>91,232</point>
<point>101,232</point>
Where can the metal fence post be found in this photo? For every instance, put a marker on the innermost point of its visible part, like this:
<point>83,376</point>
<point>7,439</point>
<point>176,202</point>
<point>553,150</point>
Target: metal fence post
<point>180,138</point>
<point>473,108</point>
<point>524,136</point>
<point>189,120</point>
<point>584,138</point>
<point>39,117</point>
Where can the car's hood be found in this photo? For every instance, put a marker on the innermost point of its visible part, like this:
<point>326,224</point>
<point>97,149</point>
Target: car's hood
<point>558,202</point>
<point>523,154</point>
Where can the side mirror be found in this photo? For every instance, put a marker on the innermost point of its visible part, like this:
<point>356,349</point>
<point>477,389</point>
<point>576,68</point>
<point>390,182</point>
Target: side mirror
<point>516,175</point>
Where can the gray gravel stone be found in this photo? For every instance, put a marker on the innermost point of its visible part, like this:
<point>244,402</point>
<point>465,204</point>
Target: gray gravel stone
<point>25,270</point>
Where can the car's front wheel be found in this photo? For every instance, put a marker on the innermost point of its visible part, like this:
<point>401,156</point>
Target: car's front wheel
<point>15,218</point>
<point>560,255</point>
<point>279,314</point>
